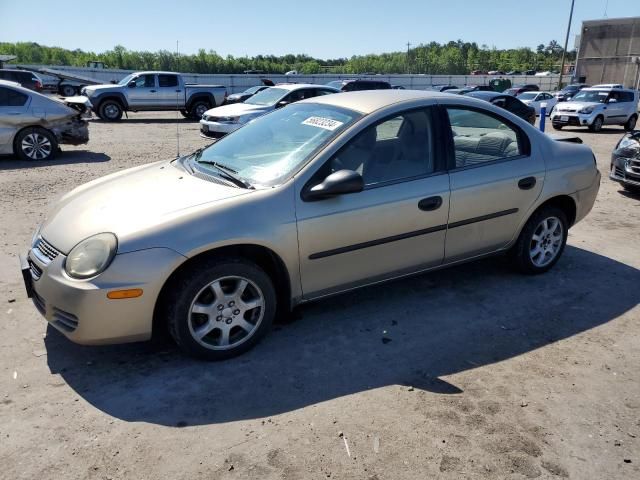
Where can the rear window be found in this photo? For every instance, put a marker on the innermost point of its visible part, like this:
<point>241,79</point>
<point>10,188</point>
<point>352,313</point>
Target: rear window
<point>5,75</point>
<point>12,98</point>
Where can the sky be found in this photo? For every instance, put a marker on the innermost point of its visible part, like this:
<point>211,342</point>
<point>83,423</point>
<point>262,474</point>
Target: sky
<point>320,29</point>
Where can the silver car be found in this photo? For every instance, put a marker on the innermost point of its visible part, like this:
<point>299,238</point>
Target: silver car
<point>324,196</point>
<point>33,125</point>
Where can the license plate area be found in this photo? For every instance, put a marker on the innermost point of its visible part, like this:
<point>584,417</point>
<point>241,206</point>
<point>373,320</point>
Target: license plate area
<point>564,118</point>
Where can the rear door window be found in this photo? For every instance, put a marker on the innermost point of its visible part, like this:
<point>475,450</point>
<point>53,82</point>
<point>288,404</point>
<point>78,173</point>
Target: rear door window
<point>12,98</point>
<point>167,80</point>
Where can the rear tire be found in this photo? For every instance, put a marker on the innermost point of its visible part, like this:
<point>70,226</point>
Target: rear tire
<point>541,242</point>
<point>220,308</point>
<point>110,110</point>
<point>67,90</point>
<point>198,108</point>
<point>631,123</point>
<point>35,144</point>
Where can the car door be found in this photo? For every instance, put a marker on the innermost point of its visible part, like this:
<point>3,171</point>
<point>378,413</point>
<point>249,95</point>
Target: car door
<point>143,91</point>
<point>495,179</point>
<point>14,108</point>
<point>170,93</point>
<point>615,112</point>
<point>394,226</point>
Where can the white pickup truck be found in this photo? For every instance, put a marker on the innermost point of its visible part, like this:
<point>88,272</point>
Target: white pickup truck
<point>143,91</point>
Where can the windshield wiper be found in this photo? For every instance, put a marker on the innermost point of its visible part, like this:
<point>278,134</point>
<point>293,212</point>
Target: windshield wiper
<point>230,174</point>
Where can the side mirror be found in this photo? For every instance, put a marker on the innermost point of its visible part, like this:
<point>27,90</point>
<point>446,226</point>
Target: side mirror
<point>281,104</point>
<point>132,84</point>
<point>338,183</point>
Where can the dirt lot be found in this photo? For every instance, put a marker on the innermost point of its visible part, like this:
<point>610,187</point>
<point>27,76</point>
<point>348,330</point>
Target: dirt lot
<point>488,374</point>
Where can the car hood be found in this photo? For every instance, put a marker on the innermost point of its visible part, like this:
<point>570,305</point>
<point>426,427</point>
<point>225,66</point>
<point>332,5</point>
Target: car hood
<point>100,88</point>
<point>576,105</point>
<point>129,203</point>
<point>237,109</point>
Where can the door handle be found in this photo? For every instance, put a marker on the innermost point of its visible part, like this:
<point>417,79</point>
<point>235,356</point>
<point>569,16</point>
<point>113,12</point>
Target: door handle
<point>430,203</point>
<point>178,90</point>
<point>152,91</point>
<point>527,183</point>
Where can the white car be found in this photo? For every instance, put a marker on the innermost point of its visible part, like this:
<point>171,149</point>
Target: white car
<point>536,99</point>
<point>219,121</point>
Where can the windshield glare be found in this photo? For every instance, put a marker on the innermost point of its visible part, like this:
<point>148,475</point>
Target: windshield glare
<point>594,96</point>
<point>126,79</point>
<point>271,148</point>
<point>252,90</point>
<point>267,97</point>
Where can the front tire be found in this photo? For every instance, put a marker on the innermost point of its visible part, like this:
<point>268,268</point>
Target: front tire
<point>220,308</point>
<point>35,144</point>
<point>631,123</point>
<point>110,110</point>
<point>556,127</point>
<point>596,126</point>
<point>542,241</point>
<point>185,113</point>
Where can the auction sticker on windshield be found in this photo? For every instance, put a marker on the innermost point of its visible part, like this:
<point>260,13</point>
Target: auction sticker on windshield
<point>321,122</point>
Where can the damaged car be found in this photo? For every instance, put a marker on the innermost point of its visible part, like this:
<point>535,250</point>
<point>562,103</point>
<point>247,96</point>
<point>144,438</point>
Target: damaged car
<point>32,125</point>
<point>625,162</point>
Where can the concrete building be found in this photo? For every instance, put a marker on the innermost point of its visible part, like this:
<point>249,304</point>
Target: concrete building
<point>609,51</point>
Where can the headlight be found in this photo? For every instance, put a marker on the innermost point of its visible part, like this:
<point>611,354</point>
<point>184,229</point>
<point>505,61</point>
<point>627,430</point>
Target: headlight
<point>628,142</point>
<point>587,109</point>
<point>91,256</point>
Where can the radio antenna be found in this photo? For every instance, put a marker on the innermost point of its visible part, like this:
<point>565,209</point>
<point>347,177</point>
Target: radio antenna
<point>177,105</point>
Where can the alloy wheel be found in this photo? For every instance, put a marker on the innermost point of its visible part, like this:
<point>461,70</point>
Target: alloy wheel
<point>546,241</point>
<point>36,146</point>
<point>226,313</point>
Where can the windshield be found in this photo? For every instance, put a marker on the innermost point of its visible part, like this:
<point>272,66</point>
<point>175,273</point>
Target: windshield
<point>272,147</point>
<point>593,96</point>
<point>252,90</point>
<point>268,96</point>
<point>570,88</point>
<point>127,79</point>
<point>527,96</point>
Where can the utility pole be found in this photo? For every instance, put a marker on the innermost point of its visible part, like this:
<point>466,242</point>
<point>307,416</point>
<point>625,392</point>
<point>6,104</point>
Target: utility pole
<point>566,44</point>
<point>408,46</point>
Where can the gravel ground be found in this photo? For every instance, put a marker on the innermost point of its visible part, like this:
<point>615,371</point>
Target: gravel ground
<point>487,374</point>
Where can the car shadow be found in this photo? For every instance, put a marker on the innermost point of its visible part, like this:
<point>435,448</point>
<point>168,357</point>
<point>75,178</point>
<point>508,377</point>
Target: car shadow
<point>66,157</point>
<point>613,130</point>
<point>150,120</point>
<point>633,194</point>
<point>408,332</point>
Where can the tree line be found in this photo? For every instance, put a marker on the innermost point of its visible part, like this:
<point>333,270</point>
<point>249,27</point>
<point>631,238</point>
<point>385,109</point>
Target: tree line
<point>452,58</point>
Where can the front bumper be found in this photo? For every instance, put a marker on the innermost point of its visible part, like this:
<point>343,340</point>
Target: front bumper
<point>573,119</point>
<point>81,310</point>
<point>625,171</point>
<point>211,129</point>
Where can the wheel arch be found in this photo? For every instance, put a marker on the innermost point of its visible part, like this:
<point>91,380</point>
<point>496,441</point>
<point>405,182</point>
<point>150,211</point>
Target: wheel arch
<point>197,97</point>
<point>119,97</point>
<point>264,257</point>
<point>566,203</point>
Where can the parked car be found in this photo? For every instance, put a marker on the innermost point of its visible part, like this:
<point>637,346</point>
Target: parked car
<point>625,162</point>
<point>219,121</point>
<point>530,72</point>
<point>536,99</point>
<point>144,91</point>
<point>509,103</point>
<point>397,87</point>
<point>496,72</point>
<point>280,213</point>
<point>609,85</point>
<point>443,88</point>
<point>478,72</point>
<point>514,72</point>
<point>595,107</point>
<point>518,89</point>
<point>245,95</point>
<point>25,78</point>
<point>358,84</point>
<point>32,126</point>
<point>568,92</point>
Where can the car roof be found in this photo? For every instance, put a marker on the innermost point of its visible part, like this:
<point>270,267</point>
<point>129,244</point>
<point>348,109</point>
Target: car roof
<point>606,88</point>
<point>154,72</point>
<point>9,83</point>
<point>368,101</point>
<point>296,86</point>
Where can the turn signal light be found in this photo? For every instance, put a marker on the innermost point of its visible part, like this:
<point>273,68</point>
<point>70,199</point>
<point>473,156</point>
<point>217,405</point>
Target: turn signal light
<point>120,294</point>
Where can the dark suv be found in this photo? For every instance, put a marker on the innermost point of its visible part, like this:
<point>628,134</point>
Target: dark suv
<point>355,85</point>
<point>25,78</point>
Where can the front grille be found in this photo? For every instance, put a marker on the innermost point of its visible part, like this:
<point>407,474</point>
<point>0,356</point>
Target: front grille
<point>619,172</point>
<point>65,320</point>
<point>634,166</point>
<point>39,303</point>
<point>45,250</point>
